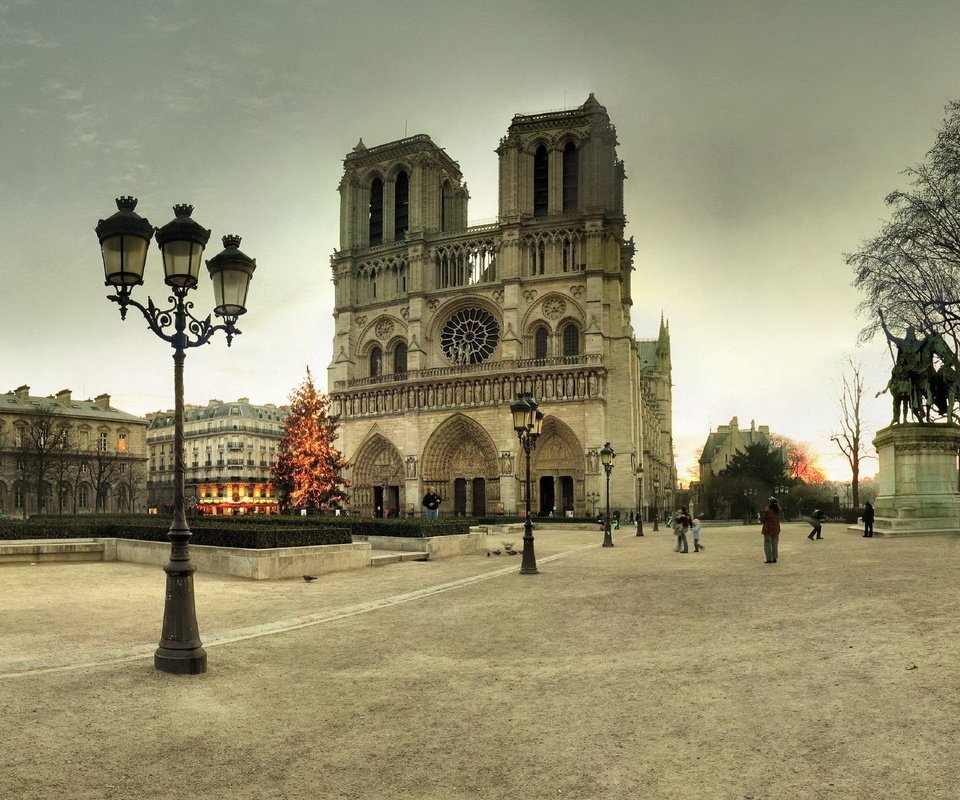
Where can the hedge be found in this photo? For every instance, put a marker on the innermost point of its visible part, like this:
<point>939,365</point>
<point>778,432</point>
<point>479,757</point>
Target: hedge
<point>203,534</point>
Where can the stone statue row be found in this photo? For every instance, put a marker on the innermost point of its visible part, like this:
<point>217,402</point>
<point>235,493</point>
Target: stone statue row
<point>917,385</point>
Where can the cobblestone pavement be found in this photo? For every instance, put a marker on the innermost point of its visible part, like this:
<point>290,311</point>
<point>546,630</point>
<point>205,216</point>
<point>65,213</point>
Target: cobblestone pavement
<point>626,672</point>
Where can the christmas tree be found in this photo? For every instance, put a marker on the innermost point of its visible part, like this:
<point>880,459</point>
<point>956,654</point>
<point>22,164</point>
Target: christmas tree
<point>308,472</point>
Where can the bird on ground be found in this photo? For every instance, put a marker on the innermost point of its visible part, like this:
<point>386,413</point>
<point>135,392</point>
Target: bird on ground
<point>496,552</point>
<point>309,578</point>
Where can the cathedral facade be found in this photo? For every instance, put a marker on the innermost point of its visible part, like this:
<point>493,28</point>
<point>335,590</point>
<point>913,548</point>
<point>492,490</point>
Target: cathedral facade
<point>439,326</point>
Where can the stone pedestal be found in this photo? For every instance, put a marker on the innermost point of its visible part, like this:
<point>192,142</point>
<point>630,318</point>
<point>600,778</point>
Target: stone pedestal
<point>918,479</point>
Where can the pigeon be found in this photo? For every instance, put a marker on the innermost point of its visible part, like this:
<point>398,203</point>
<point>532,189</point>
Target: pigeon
<point>496,552</point>
<point>309,578</point>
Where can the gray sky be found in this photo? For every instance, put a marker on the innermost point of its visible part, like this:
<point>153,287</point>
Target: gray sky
<point>760,139</point>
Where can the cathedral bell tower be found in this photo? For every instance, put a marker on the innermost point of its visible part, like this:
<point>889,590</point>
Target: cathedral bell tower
<point>440,325</point>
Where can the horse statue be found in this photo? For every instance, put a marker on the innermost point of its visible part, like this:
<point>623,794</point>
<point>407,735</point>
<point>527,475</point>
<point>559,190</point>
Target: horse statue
<point>943,384</point>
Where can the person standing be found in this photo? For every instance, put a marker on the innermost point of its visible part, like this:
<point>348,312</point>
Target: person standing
<point>770,521</point>
<point>431,502</point>
<point>868,520</point>
<point>695,528</point>
<point>816,518</point>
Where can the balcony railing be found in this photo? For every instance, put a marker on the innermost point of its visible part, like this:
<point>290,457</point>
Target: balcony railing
<point>508,366</point>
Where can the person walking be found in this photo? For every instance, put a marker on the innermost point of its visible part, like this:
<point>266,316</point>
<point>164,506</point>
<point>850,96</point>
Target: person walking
<point>770,521</point>
<point>681,524</point>
<point>431,502</point>
<point>816,518</point>
<point>868,520</point>
<point>695,527</point>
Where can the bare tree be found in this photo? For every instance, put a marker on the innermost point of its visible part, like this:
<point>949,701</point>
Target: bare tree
<point>852,440</point>
<point>131,482</point>
<point>801,463</point>
<point>41,437</point>
<point>911,270</point>
<point>104,473</point>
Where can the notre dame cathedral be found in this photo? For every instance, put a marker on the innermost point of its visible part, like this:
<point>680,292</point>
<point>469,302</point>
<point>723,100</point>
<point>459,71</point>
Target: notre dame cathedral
<point>440,325</point>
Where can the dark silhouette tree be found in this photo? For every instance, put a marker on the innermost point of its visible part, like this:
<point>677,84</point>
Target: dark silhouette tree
<point>852,440</point>
<point>309,469</point>
<point>910,270</point>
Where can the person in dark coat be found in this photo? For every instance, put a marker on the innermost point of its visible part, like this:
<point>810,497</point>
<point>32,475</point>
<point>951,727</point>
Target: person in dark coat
<point>431,502</point>
<point>868,520</point>
<point>817,529</point>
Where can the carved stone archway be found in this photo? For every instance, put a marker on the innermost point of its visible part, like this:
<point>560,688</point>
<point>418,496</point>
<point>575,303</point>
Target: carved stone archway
<point>378,478</point>
<point>461,461</point>
<point>557,468</point>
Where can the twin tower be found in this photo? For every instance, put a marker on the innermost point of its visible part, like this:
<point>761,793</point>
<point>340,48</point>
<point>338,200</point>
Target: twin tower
<point>439,326</point>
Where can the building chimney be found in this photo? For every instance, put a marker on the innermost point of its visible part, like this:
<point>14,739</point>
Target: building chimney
<point>22,392</point>
<point>735,424</point>
<point>63,396</point>
<point>103,400</point>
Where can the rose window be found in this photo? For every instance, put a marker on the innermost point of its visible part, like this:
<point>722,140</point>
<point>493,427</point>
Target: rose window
<point>470,336</point>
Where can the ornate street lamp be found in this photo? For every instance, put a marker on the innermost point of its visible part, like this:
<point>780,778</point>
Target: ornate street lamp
<point>656,504</point>
<point>606,458</point>
<point>640,500</point>
<point>528,423</point>
<point>124,241</point>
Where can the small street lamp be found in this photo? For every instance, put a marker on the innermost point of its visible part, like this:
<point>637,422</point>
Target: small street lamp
<point>528,423</point>
<point>124,242</point>
<point>656,504</point>
<point>640,500</point>
<point>606,458</point>
<point>748,495</point>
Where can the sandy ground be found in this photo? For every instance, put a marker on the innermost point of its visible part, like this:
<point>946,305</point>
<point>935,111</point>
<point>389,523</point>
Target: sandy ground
<point>631,672</point>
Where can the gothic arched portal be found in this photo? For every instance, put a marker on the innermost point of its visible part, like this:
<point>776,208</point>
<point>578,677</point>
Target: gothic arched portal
<point>378,478</point>
<point>557,470</point>
<point>461,461</point>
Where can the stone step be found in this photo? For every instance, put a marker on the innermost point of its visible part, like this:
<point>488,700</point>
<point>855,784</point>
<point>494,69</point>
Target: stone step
<point>380,557</point>
<point>37,550</point>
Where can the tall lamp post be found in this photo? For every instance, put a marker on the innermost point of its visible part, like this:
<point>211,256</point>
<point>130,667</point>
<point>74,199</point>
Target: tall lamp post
<point>656,504</point>
<point>606,458</point>
<point>640,500</point>
<point>528,423</point>
<point>124,241</point>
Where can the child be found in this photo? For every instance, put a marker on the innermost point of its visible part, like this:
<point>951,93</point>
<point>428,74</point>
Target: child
<point>695,527</point>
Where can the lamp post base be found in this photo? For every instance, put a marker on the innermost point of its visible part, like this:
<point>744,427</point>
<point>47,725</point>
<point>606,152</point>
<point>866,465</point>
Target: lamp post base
<point>528,566</point>
<point>607,537</point>
<point>181,662</point>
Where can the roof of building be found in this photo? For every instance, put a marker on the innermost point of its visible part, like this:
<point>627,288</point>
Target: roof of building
<point>217,409</point>
<point>20,401</point>
<point>716,439</point>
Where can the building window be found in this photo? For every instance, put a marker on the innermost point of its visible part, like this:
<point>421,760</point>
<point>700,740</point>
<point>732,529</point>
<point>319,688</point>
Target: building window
<point>400,357</point>
<point>541,175</point>
<point>376,211</point>
<point>540,340</point>
<point>84,440</point>
<point>401,212</point>
<point>376,362</point>
<point>102,442</point>
<point>18,496</point>
<point>83,496</point>
<point>121,443</point>
<point>571,340</point>
<point>470,336</point>
<point>85,467</point>
<point>570,176</point>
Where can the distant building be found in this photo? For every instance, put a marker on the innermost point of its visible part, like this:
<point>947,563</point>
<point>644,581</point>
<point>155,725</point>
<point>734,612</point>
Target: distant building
<point>439,325</point>
<point>720,447</point>
<point>229,452</point>
<point>61,455</point>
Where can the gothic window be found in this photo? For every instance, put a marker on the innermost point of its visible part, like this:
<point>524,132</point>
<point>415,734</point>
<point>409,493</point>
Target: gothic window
<point>401,213</point>
<point>376,362</point>
<point>538,254</point>
<point>470,336</point>
<point>570,175</point>
<point>444,201</point>
<point>376,211</point>
<point>540,340</point>
<point>400,357</point>
<point>570,252</point>
<point>541,174</point>
<point>571,340</point>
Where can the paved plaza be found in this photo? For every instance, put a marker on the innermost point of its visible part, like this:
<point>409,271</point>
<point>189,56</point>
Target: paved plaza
<point>631,672</point>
